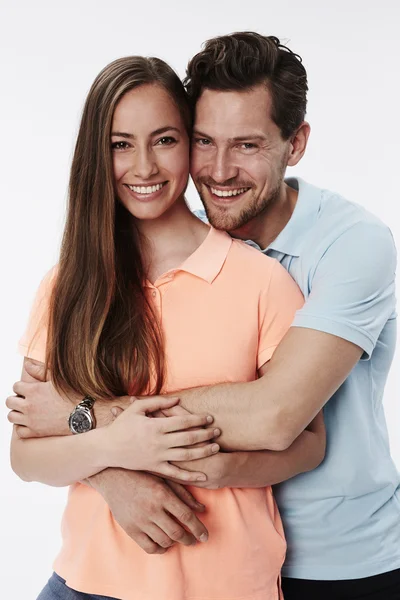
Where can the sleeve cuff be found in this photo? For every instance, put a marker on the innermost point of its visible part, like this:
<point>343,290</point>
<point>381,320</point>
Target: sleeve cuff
<point>265,355</point>
<point>339,329</point>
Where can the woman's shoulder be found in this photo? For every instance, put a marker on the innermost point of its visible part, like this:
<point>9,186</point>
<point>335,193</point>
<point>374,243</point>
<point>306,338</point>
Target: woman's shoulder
<point>47,283</point>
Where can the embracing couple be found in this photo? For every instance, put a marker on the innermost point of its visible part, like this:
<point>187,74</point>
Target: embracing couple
<point>195,370</point>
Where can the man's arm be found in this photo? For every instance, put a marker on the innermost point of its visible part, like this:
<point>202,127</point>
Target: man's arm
<point>266,467</point>
<point>351,299</point>
<point>271,412</point>
<point>255,415</point>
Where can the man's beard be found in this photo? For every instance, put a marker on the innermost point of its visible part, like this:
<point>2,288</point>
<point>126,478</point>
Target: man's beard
<point>220,217</point>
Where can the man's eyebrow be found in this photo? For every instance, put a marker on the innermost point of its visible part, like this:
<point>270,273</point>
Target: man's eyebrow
<point>251,136</point>
<point>240,138</point>
<point>130,136</point>
<point>201,134</point>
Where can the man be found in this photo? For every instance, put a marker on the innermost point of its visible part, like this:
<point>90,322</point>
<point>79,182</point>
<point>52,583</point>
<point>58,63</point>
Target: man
<point>342,520</point>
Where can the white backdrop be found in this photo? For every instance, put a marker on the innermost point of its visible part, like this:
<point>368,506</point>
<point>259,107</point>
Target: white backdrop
<point>51,52</point>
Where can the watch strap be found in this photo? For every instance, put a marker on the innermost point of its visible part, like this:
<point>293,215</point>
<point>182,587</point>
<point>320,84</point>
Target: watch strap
<point>87,402</point>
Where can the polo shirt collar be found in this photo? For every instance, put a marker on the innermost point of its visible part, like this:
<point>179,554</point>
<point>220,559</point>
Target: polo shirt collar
<point>291,238</point>
<point>208,259</point>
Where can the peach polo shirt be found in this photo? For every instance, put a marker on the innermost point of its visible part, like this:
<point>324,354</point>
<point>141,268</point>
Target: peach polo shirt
<point>223,312</point>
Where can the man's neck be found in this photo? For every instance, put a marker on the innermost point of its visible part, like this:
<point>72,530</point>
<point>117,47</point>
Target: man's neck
<point>266,226</point>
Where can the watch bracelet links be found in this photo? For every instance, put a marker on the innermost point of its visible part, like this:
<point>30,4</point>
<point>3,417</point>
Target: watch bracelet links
<point>87,402</point>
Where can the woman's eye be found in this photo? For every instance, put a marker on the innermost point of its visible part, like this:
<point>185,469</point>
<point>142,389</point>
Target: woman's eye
<point>166,141</point>
<point>119,146</point>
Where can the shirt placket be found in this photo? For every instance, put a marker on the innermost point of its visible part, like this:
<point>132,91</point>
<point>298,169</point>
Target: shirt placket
<point>158,289</point>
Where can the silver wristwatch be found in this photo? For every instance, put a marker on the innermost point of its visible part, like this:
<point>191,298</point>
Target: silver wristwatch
<point>82,417</point>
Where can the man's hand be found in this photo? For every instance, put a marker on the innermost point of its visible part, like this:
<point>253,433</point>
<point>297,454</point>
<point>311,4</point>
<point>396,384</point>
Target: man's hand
<point>153,513</point>
<point>217,469</point>
<point>40,411</point>
<point>37,407</point>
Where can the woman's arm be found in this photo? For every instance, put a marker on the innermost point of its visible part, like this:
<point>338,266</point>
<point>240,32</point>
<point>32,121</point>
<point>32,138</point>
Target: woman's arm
<point>134,441</point>
<point>58,461</point>
<point>55,461</point>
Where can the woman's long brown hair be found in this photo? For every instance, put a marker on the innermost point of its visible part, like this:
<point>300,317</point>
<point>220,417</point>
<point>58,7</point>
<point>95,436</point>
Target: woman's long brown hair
<point>104,339</point>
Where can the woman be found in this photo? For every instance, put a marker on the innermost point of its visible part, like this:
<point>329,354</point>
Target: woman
<point>145,300</point>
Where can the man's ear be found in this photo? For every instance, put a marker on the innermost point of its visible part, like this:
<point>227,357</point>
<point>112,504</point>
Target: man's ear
<point>298,144</point>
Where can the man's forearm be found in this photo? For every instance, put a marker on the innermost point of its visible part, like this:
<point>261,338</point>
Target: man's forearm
<point>240,410</point>
<point>305,371</point>
<point>267,467</point>
<point>105,479</point>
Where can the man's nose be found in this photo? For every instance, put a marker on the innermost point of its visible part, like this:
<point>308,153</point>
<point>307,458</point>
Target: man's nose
<point>145,164</point>
<point>222,167</point>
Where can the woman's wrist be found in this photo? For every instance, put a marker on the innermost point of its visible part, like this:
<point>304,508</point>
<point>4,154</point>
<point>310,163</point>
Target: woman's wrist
<point>100,444</point>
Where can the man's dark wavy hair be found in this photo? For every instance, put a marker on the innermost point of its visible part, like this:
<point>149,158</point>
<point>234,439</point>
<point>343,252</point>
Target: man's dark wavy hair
<point>240,61</point>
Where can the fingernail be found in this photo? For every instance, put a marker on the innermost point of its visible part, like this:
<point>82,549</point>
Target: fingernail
<point>217,432</point>
<point>210,419</point>
<point>203,537</point>
<point>214,448</point>
<point>201,478</point>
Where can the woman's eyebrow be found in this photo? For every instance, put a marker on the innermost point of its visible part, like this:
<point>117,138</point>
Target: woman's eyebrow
<point>130,136</point>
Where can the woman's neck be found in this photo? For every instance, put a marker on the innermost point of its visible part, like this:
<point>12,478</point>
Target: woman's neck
<point>171,239</point>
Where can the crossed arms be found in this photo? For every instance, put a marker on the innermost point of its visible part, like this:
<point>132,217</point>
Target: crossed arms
<point>271,413</point>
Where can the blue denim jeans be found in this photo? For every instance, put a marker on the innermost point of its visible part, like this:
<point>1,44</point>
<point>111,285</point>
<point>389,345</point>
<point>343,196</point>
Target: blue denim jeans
<point>56,589</point>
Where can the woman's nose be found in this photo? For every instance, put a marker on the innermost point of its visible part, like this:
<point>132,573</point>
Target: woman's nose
<point>145,164</point>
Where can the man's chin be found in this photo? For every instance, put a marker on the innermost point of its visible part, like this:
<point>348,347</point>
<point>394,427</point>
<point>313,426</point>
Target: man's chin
<point>223,220</point>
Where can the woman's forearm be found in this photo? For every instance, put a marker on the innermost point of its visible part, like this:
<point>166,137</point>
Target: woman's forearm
<point>58,461</point>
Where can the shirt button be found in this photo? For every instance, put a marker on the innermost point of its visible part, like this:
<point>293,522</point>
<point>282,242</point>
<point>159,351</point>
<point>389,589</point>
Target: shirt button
<point>154,294</point>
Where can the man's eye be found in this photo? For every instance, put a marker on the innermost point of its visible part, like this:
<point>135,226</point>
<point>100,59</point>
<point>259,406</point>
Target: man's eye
<point>119,146</point>
<point>248,146</point>
<point>166,141</point>
<point>202,141</point>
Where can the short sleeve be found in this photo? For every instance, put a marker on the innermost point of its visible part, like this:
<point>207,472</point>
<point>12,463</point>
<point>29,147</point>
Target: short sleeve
<point>277,307</point>
<point>352,291</point>
<point>33,342</point>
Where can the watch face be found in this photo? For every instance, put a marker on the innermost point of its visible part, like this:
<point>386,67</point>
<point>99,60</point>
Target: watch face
<point>80,422</point>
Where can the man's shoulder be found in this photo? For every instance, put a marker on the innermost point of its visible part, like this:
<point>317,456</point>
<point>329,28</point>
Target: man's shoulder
<point>340,214</point>
<point>342,221</point>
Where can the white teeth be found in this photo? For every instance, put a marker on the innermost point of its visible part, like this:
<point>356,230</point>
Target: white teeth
<point>141,189</point>
<point>225,193</point>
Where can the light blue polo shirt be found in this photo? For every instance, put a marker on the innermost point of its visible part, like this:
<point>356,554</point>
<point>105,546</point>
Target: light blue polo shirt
<point>342,520</point>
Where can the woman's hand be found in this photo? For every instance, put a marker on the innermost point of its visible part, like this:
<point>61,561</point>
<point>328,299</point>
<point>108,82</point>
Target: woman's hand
<point>139,442</point>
